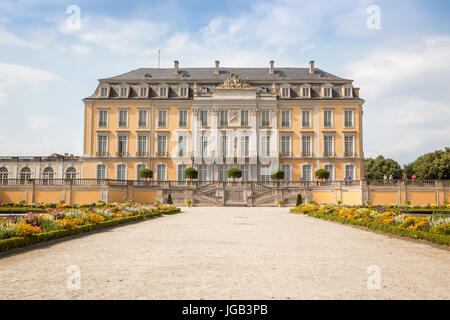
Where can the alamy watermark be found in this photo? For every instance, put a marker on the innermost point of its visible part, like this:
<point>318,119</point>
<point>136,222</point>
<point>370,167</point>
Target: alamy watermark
<point>374,19</point>
<point>73,22</point>
<point>374,278</point>
<point>73,282</point>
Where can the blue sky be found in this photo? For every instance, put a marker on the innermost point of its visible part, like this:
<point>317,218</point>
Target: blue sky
<point>403,68</point>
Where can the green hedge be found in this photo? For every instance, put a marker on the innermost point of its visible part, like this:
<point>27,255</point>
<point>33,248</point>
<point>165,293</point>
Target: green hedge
<point>19,210</point>
<point>16,242</point>
<point>415,234</point>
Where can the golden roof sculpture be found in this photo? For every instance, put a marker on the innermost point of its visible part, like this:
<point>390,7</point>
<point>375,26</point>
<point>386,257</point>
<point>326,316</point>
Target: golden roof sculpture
<point>233,82</point>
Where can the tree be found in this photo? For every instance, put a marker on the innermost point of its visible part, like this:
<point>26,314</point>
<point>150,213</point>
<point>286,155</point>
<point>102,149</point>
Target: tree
<point>234,173</point>
<point>322,174</point>
<point>146,173</point>
<point>190,173</point>
<point>277,175</point>
<point>378,167</point>
<point>299,200</point>
<point>433,165</point>
<point>169,199</point>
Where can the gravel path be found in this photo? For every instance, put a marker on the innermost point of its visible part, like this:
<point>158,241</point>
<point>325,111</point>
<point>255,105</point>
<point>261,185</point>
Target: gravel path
<point>229,253</point>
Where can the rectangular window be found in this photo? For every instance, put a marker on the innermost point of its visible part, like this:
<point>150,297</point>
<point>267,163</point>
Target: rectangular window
<point>123,118</point>
<point>122,145</point>
<point>285,146</point>
<point>182,146</point>
<point>121,172</point>
<point>161,172</point>
<point>348,146</point>
<point>306,118</point>
<point>104,92</point>
<point>328,118</point>
<point>244,117</point>
<point>183,92</point>
<point>265,118</point>
<point>307,172</point>
<point>204,146</point>
<point>306,146</point>
<point>223,118</point>
<point>202,172</point>
<point>244,146</point>
<point>330,169</point>
<point>142,145</point>
<point>349,171</point>
<point>327,92</point>
<point>103,118</point>
<point>265,173</point>
<point>224,145</point>
<point>102,145</point>
<point>162,146</point>
<point>265,146</point>
<point>101,171</point>
<point>348,118</point>
<point>163,92</point>
<point>182,118</point>
<point>140,167</point>
<point>223,172</point>
<point>285,119</point>
<point>142,118</point>
<point>306,92</point>
<point>347,92</point>
<point>328,146</point>
<point>285,92</point>
<point>244,170</point>
<point>204,118</point>
<point>181,169</point>
<point>143,92</point>
<point>123,92</point>
<point>162,118</point>
<point>286,168</point>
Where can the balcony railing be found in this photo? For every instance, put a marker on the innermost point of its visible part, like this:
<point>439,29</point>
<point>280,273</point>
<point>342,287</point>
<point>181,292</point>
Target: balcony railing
<point>349,154</point>
<point>161,153</point>
<point>328,154</point>
<point>141,154</point>
<point>122,154</point>
<point>101,154</point>
<point>285,154</point>
<point>307,154</point>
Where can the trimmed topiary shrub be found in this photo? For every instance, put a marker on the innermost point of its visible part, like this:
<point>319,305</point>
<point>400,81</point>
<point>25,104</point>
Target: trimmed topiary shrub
<point>299,200</point>
<point>169,199</point>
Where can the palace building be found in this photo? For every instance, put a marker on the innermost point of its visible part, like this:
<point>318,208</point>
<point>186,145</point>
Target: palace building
<point>298,120</point>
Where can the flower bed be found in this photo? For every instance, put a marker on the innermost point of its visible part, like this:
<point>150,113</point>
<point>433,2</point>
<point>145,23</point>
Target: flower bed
<point>435,228</point>
<point>19,231</point>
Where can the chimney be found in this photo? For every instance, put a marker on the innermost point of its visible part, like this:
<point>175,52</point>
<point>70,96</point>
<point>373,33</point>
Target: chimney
<point>175,66</point>
<point>311,67</point>
<point>217,67</point>
<point>271,67</point>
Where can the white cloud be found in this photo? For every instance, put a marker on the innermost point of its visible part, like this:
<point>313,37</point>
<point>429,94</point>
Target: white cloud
<point>39,122</point>
<point>12,75</point>
<point>406,92</point>
<point>81,49</point>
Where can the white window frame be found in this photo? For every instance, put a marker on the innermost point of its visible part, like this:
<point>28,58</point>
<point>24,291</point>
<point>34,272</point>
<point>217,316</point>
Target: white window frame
<point>309,119</point>
<point>121,91</point>
<point>145,95</point>
<point>163,87</point>
<point>138,135</point>
<point>71,172</point>
<point>353,117</point>
<point>332,118</point>
<point>180,92</point>
<point>200,118</point>
<point>105,166</point>
<point>302,92</point>
<point>248,117</point>
<point>182,178</point>
<point>139,118</point>
<point>289,118</point>
<point>262,118</point>
<point>166,110</point>
<point>352,135</point>
<point>165,171</point>
<point>186,144</point>
<point>98,143</point>
<point>221,118</point>
<point>344,89</point>
<point>166,151</point>
<point>354,170</point>
<point>265,146</point>
<point>137,170</point>
<point>187,118</point>
<point>333,142</point>
<point>123,134</point>
<point>324,91</point>
<point>310,153</point>
<point>99,110</point>
<point>282,152</point>
<point>332,172</point>
<point>311,177</point>
<point>285,92</point>
<point>290,171</point>
<point>126,171</point>
<point>245,177</point>
<point>119,110</point>
<point>245,147</point>
<point>107,92</point>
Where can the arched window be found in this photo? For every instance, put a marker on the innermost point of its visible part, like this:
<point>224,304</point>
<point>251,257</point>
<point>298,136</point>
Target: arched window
<point>286,168</point>
<point>25,173</point>
<point>71,173</point>
<point>3,175</point>
<point>47,175</point>
<point>101,171</point>
<point>307,173</point>
<point>161,172</point>
<point>350,172</point>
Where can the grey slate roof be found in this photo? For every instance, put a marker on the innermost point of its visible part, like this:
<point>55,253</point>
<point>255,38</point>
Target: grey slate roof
<point>207,74</point>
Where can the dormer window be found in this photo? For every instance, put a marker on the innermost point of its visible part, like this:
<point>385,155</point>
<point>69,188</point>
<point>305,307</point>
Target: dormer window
<point>306,92</point>
<point>143,92</point>
<point>163,92</point>
<point>348,92</point>
<point>285,92</point>
<point>184,92</point>
<point>104,92</point>
<point>124,92</point>
<point>326,92</point>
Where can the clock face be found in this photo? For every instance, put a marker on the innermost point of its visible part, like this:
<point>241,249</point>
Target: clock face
<point>234,116</point>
